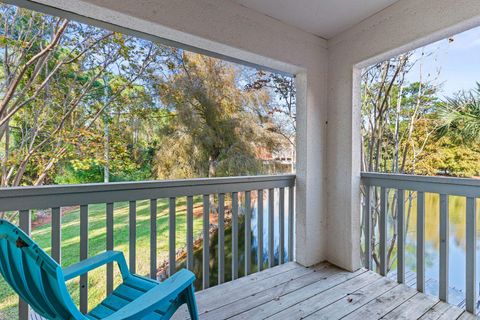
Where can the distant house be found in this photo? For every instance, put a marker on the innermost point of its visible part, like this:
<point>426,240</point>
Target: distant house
<point>283,158</point>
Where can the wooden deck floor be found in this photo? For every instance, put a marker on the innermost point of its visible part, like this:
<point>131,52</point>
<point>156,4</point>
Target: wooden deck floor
<point>291,291</point>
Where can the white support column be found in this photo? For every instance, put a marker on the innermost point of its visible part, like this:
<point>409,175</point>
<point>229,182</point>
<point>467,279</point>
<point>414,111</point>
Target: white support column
<point>310,228</point>
<point>405,25</point>
<point>343,168</point>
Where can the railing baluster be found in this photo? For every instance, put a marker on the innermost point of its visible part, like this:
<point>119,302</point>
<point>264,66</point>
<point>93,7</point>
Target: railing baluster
<point>56,240</point>
<point>444,187</point>
<point>291,209</point>
<point>420,241</point>
<point>153,239</point>
<point>248,233</point>
<point>25,223</point>
<point>383,231</point>
<point>271,205</point>
<point>110,245</point>
<point>444,225</point>
<point>132,235</point>
<point>221,238</point>
<point>367,215</point>
<point>190,233</point>
<point>234,235</point>
<point>260,229</point>
<point>83,256</point>
<point>401,236</point>
<point>171,236</point>
<point>281,226</point>
<point>206,241</point>
<point>471,262</point>
<point>83,196</point>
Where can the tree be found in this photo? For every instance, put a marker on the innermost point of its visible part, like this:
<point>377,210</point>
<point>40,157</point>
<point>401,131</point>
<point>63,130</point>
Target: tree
<point>282,110</point>
<point>459,117</point>
<point>53,88</point>
<point>212,133</point>
<point>392,111</point>
<point>57,80</point>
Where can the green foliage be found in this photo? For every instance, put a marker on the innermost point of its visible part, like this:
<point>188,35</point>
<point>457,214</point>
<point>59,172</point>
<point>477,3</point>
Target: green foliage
<point>70,82</point>
<point>406,128</point>
<point>212,132</point>
<point>75,173</point>
<point>444,155</point>
<point>87,101</point>
<point>459,117</point>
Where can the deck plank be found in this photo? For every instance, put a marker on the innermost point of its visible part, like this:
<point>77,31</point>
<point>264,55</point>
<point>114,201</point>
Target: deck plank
<point>291,291</point>
<point>230,310</point>
<point>321,300</point>
<point>353,301</point>
<point>442,310</point>
<point>224,296</point>
<point>252,278</point>
<point>227,293</point>
<point>295,297</point>
<point>413,308</point>
<point>383,304</point>
<point>467,316</point>
<point>452,313</point>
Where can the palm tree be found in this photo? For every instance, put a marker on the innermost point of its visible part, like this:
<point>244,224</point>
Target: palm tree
<point>459,117</point>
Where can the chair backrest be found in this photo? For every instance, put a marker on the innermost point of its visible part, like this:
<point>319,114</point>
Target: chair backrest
<point>34,275</point>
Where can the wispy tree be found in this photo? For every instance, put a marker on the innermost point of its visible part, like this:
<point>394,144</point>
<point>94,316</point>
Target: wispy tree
<point>213,129</point>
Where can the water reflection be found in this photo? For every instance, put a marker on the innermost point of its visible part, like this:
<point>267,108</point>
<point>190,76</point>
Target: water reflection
<point>457,242</point>
<point>198,257</point>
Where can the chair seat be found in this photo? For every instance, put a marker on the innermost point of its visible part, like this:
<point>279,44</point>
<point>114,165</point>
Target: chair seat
<point>132,288</point>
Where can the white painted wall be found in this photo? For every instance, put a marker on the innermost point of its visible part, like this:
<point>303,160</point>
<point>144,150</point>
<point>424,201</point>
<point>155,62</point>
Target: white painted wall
<point>405,25</point>
<point>232,30</point>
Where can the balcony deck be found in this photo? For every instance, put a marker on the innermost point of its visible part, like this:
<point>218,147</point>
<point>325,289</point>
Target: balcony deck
<point>291,291</point>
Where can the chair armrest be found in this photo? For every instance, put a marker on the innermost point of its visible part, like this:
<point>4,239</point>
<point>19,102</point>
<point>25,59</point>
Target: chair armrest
<point>95,262</point>
<point>151,300</point>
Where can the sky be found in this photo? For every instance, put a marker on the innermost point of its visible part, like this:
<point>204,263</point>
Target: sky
<point>455,65</point>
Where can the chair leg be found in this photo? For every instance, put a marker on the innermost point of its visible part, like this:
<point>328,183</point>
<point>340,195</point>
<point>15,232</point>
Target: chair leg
<point>191,302</point>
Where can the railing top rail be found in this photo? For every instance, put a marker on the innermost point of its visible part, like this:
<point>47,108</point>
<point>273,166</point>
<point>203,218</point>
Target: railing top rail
<point>443,185</point>
<point>66,195</point>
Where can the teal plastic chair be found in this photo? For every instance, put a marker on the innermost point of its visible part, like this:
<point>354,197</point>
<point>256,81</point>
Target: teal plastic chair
<point>40,281</point>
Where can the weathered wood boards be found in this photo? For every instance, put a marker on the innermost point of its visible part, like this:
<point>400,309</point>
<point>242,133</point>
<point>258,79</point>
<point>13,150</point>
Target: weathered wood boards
<point>291,291</point>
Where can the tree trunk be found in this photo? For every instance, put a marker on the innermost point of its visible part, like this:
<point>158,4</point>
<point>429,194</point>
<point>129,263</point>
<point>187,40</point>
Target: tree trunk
<point>212,172</point>
<point>4,180</point>
<point>106,131</point>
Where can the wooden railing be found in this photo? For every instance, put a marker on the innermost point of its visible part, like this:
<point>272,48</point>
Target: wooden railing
<point>25,199</point>
<point>445,187</point>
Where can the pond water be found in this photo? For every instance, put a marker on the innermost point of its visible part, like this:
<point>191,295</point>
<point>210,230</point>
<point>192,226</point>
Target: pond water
<point>198,257</point>
<point>457,242</point>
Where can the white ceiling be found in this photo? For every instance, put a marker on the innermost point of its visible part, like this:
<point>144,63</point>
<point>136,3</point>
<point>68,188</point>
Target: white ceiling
<point>325,18</point>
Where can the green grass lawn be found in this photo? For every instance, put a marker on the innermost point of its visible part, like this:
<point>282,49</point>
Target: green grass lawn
<point>97,244</point>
